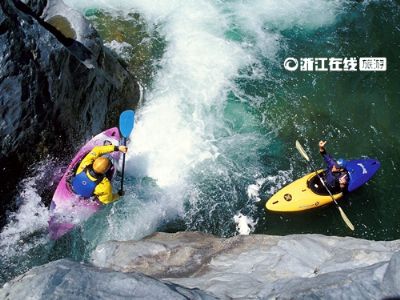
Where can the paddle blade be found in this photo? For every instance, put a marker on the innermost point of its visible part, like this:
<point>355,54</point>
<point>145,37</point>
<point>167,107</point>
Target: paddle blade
<point>302,151</point>
<point>346,219</point>
<point>126,121</point>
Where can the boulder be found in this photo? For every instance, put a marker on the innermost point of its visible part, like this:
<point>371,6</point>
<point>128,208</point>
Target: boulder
<point>193,265</point>
<point>65,279</point>
<point>262,266</point>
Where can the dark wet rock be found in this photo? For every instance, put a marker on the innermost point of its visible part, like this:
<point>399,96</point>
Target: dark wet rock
<point>261,266</point>
<point>37,6</point>
<point>58,85</point>
<point>65,279</point>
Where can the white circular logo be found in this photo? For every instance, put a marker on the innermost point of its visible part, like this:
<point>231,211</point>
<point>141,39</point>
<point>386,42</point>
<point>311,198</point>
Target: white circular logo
<point>291,64</point>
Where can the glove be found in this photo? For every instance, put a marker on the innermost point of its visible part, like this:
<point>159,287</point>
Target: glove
<point>121,193</point>
<point>123,149</point>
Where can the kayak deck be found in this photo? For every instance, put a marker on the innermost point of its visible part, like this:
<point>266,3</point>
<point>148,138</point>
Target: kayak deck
<point>303,194</point>
<point>308,192</point>
<point>68,209</point>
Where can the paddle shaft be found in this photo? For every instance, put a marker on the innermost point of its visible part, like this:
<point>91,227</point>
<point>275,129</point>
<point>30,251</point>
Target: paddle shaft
<point>123,166</point>
<point>343,215</point>
<point>323,182</point>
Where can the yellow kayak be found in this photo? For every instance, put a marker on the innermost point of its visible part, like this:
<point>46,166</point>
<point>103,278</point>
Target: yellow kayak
<point>303,194</point>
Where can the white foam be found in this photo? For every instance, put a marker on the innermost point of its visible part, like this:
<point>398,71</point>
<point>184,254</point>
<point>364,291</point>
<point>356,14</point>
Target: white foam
<point>262,21</point>
<point>283,14</point>
<point>198,68</point>
<point>244,224</point>
<point>31,217</point>
<point>254,189</point>
<point>175,130</point>
<point>122,49</point>
<point>273,183</point>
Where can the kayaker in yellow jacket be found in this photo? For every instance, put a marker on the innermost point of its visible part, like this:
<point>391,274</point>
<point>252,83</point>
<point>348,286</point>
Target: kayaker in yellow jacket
<point>90,178</point>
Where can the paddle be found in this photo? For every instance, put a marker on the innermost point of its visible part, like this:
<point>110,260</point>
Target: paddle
<point>126,122</point>
<point>304,154</point>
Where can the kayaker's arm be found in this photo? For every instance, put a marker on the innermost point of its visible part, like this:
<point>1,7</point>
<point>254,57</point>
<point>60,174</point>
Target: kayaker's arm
<point>107,199</point>
<point>97,152</point>
<point>321,145</point>
<point>104,192</point>
<point>330,162</point>
<point>332,167</point>
<point>343,181</point>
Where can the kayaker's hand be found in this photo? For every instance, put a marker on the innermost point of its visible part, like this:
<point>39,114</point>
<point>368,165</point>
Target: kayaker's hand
<point>121,193</point>
<point>123,149</point>
<point>321,145</point>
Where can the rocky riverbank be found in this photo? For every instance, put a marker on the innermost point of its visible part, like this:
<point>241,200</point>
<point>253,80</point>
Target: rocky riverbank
<point>201,266</point>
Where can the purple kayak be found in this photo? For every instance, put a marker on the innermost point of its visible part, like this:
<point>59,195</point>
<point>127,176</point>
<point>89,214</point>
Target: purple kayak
<point>68,209</point>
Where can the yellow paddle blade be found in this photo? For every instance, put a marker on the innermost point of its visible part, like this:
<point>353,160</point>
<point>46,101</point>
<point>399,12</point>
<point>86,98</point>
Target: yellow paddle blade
<point>345,218</point>
<point>302,151</point>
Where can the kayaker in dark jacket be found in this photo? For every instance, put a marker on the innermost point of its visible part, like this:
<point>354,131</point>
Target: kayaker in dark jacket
<point>336,175</point>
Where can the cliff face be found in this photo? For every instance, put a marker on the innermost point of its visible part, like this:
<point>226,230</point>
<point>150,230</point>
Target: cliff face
<point>202,266</point>
<point>58,84</point>
<point>65,279</point>
<point>260,266</point>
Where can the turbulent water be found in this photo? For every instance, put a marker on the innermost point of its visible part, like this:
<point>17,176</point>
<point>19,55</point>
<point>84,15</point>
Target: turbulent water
<point>214,137</point>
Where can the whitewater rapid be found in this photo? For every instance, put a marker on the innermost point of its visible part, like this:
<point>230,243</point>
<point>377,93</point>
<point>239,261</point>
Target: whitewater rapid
<point>183,127</point>
<point>194,151</point>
